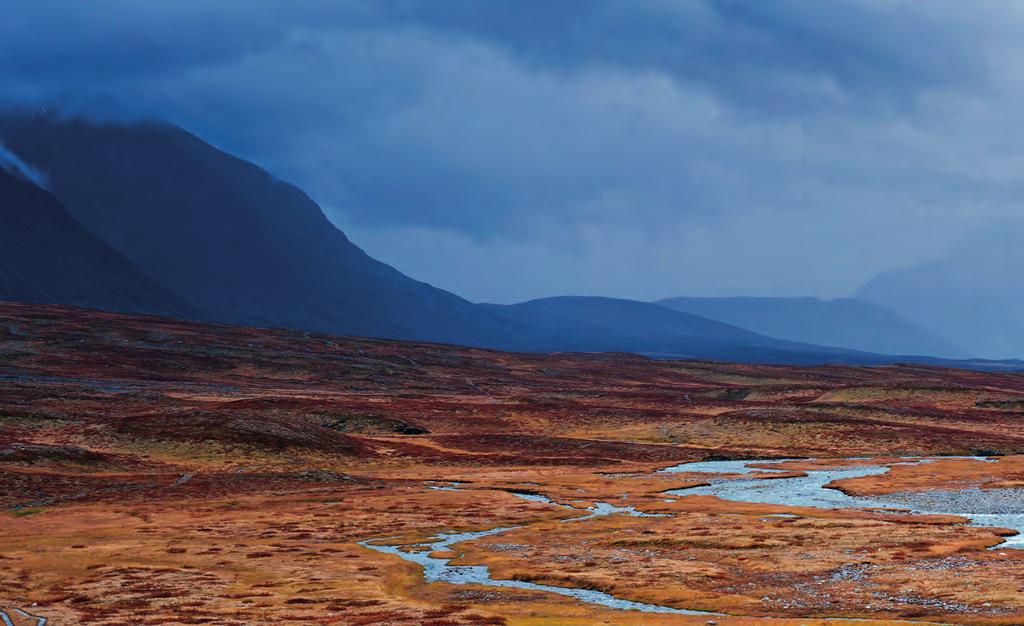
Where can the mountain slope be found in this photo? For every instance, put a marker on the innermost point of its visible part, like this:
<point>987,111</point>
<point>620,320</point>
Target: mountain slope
<point>230,238</point>
<point>46,256</point>
<point>973,294</point>
<point>843,322</point>
<point>243,247</point>
<point>595,324</point>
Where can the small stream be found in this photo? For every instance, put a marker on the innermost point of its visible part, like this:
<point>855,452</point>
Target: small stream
<point>1002,508</point>
<point>437,569</point>
<point>40,621</point>
<point>997,508</point>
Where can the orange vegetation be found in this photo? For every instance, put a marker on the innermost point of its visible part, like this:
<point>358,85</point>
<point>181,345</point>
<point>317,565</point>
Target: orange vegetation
<point>162,472</point>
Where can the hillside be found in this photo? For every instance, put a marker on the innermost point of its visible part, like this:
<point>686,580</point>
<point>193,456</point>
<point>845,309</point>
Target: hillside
<point>594,324</point>
<point>47,256</point>
<point>844,322</point>
<point>227,236</point>
<point>234,244</point>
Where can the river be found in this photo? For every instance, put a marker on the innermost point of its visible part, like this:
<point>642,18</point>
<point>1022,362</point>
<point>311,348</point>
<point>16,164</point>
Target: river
<point>1002,508</point>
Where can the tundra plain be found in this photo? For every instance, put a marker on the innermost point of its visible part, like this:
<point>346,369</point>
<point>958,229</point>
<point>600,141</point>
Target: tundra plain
<point>154,471</point>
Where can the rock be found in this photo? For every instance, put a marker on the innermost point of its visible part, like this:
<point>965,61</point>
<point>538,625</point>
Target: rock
<point>36,452</point>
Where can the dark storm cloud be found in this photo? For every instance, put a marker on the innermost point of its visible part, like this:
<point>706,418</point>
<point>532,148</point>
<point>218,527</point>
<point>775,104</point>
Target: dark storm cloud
<point>637,148</point>
<point>51,46</point>
<point>874,49</point>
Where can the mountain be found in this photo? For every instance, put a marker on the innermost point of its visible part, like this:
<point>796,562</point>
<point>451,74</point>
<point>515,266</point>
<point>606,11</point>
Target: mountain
<point>595,324</point>
<point>133,213</point>
<point>228,237</point>
<point>843,322</point>
<point>46,256</point>
<point>972,294</point>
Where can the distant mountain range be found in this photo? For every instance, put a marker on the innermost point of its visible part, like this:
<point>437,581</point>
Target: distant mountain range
<point>145,217</point>
<point>610,325</point>
<point>843,322</point>
<point>974,293</point>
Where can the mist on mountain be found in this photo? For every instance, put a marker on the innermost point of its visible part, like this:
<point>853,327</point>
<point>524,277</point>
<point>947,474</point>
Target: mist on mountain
<point>972,293</point>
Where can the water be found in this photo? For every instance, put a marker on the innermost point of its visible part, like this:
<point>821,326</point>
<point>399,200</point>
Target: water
<point>603,508</point>
<point>441,570</point>
<point>40,621</point>
<point>599,509</point>
<point>724,467</point>
<point>536,497</point>
<point>1002,508</point>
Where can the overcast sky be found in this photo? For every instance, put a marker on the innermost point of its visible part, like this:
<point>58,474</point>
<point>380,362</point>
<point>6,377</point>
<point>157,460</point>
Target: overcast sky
<point>510,149</point>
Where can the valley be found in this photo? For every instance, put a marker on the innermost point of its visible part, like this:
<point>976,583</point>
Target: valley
<point>155,471</point>
<point>264,253</point>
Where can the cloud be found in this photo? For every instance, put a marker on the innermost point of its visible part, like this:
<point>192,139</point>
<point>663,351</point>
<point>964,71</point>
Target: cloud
<point>12,163</point>
<point>744,48</point>
<point>643,148</point>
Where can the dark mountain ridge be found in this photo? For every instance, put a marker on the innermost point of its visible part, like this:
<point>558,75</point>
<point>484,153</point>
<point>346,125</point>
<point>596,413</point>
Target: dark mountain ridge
<point>230,238</point>
<point>145,217</point>
<point>48,257</point>
<point>595,324</point>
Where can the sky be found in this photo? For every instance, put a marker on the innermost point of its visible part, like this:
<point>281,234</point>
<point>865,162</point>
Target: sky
<point>514,149</point>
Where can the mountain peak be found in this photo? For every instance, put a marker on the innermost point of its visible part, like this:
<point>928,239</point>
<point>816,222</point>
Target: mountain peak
<point>228,236</point>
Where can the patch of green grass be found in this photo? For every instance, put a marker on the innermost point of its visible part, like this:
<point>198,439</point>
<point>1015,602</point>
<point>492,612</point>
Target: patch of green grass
<point>25,512</point>
<point>29,421</point>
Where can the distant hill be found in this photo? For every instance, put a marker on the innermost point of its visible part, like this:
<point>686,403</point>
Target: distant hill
<point>609,324</point>
<point>974,293</point>
<point>844,322</point>
<point>228,237</point>
<point>48,257</point>
<point>145,217</point>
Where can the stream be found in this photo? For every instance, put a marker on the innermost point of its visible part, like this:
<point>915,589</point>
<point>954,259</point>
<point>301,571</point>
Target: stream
<point>996,508</point>
<point>436,569</point>
<point>1003,508</point>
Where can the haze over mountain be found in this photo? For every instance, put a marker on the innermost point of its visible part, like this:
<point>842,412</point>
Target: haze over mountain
<point>507,151</point>
<point>843,322</point>
<point>157,220</point>
<point>244,247</point>
<point>974,293</point>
